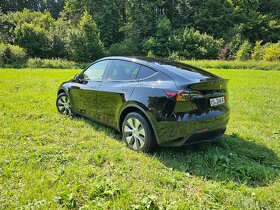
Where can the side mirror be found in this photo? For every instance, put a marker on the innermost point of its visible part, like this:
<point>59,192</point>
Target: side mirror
<point>77,77</point>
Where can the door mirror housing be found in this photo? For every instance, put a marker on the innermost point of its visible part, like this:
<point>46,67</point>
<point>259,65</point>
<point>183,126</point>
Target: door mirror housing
<point>77,77</point>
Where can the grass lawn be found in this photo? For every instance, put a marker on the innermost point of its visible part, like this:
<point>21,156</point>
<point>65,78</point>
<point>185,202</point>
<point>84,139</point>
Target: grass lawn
<point>51,161</point>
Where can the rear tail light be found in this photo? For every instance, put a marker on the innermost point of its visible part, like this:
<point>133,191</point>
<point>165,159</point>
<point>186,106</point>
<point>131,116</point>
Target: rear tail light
<point>183,95</point>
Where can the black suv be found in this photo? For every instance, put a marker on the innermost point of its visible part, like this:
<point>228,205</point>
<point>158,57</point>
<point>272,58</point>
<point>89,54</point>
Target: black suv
<point>150,101</point>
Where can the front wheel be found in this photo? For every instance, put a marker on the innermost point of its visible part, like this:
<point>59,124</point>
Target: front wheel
<point>137,132</point>
<point>63,104</point>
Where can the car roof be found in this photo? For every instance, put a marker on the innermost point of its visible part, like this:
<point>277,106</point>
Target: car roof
<point>173,69</point>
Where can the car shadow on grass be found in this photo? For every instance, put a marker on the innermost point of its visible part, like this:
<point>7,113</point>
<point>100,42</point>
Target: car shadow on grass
<point>231,158</point>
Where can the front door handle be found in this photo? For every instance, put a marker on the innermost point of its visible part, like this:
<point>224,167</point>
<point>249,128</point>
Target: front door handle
<point>94,87</point>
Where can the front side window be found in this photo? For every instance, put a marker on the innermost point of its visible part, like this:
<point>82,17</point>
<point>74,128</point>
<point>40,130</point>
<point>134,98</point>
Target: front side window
<point>122,70</point>
<point>95,72</point>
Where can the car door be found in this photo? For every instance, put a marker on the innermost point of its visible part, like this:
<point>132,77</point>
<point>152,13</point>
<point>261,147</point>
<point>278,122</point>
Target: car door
<point>116,89</point>
<point>83,94</point>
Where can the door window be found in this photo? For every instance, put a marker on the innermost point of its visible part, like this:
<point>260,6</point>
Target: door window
<point>145,72</point>
<point>95,72</point>
<point>122,70</point>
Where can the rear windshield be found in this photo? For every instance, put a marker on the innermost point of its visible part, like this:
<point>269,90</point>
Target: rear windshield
<point>187,71</point>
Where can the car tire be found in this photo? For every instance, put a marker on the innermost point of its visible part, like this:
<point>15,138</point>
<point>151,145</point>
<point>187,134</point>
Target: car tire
<point>63,104</point>
<point>138,133</point>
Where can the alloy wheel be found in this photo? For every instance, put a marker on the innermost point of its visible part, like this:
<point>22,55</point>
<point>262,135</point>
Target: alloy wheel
<point>63,105</point>
<point>134,133</point>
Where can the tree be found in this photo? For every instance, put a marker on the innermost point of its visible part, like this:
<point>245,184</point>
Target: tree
<point>53,6</point>
<point>213,17</point>
<point>32,38</point>
<point>86,44</point>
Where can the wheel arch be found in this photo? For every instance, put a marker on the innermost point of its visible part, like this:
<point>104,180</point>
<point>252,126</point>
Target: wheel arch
<point>137,108</point>
<point>62,89</point>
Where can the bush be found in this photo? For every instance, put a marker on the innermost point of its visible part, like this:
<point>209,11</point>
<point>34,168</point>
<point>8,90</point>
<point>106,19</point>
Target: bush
<point>244,52</point>
<point>272,52</point>
<point>258,51</point>
<point>54,63</point>
<point>34,39</point>
<point>235,64</point>
<point>225,53</point>
<point>12,56</point>
<point>151,54</point>
<point>191,44</point>
<point>124,48</point>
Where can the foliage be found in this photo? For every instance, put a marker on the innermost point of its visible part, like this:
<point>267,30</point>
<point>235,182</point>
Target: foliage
<point>258,51</point>
<point>159,44</point>
<point>85,41</point>
<point>124,48</point>
<point>53,162</point>
<point>14,20</point>
<point>54,63</point>
<point>32,38</point>
<point>225,53</point>
<point>235,64</point>
<point>215,17</point>
<point>272,52</point>
<point>179,28</point>
<point>54,6</point>
<point>12,56</point>
<point>244,52</point>
<point>190,44</point>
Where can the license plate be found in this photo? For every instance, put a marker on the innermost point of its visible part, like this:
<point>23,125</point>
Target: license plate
<point>217,101</point>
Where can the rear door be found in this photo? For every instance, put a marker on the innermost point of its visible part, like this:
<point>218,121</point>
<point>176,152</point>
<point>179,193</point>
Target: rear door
<point>116,89</point>
<point>83,94</point>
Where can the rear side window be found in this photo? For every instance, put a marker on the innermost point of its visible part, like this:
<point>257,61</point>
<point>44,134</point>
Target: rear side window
<point>145,72</point>
<point>122,70</point>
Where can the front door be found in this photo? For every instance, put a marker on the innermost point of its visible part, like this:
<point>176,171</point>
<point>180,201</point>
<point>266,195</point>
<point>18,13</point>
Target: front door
<point>115,90</point>
<point>83,95</point>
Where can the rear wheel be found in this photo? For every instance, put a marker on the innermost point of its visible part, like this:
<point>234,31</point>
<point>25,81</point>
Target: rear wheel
<point>137,132</point>
<point>63,104</point>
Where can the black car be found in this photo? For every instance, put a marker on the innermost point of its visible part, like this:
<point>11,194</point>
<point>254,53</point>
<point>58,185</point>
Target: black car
<point>150,101</point>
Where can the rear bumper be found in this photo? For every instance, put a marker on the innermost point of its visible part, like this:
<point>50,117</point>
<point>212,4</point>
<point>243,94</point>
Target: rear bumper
<point>181,133</point>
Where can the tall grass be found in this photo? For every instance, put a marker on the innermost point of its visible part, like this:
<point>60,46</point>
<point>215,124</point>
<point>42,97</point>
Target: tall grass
<point>234,64</point>
<point>54,63</point>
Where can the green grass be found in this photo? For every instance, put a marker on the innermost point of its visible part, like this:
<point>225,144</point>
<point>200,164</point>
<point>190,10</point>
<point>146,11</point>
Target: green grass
<point>48,161</point>
<point>235,64</point>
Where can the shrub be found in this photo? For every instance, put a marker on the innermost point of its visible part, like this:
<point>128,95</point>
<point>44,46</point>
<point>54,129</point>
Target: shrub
<point>54,63</point>
<point>225,53</point>
<point>258,51</point>
<point>244,51</point>
<point>33,38</point>
<point>235,64</point>
<point>59,39</point>
<point>151,54</point>
<point>12,56</point>
<point>124,48</point>
<point>272,52</point>
<point>191,44</point>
